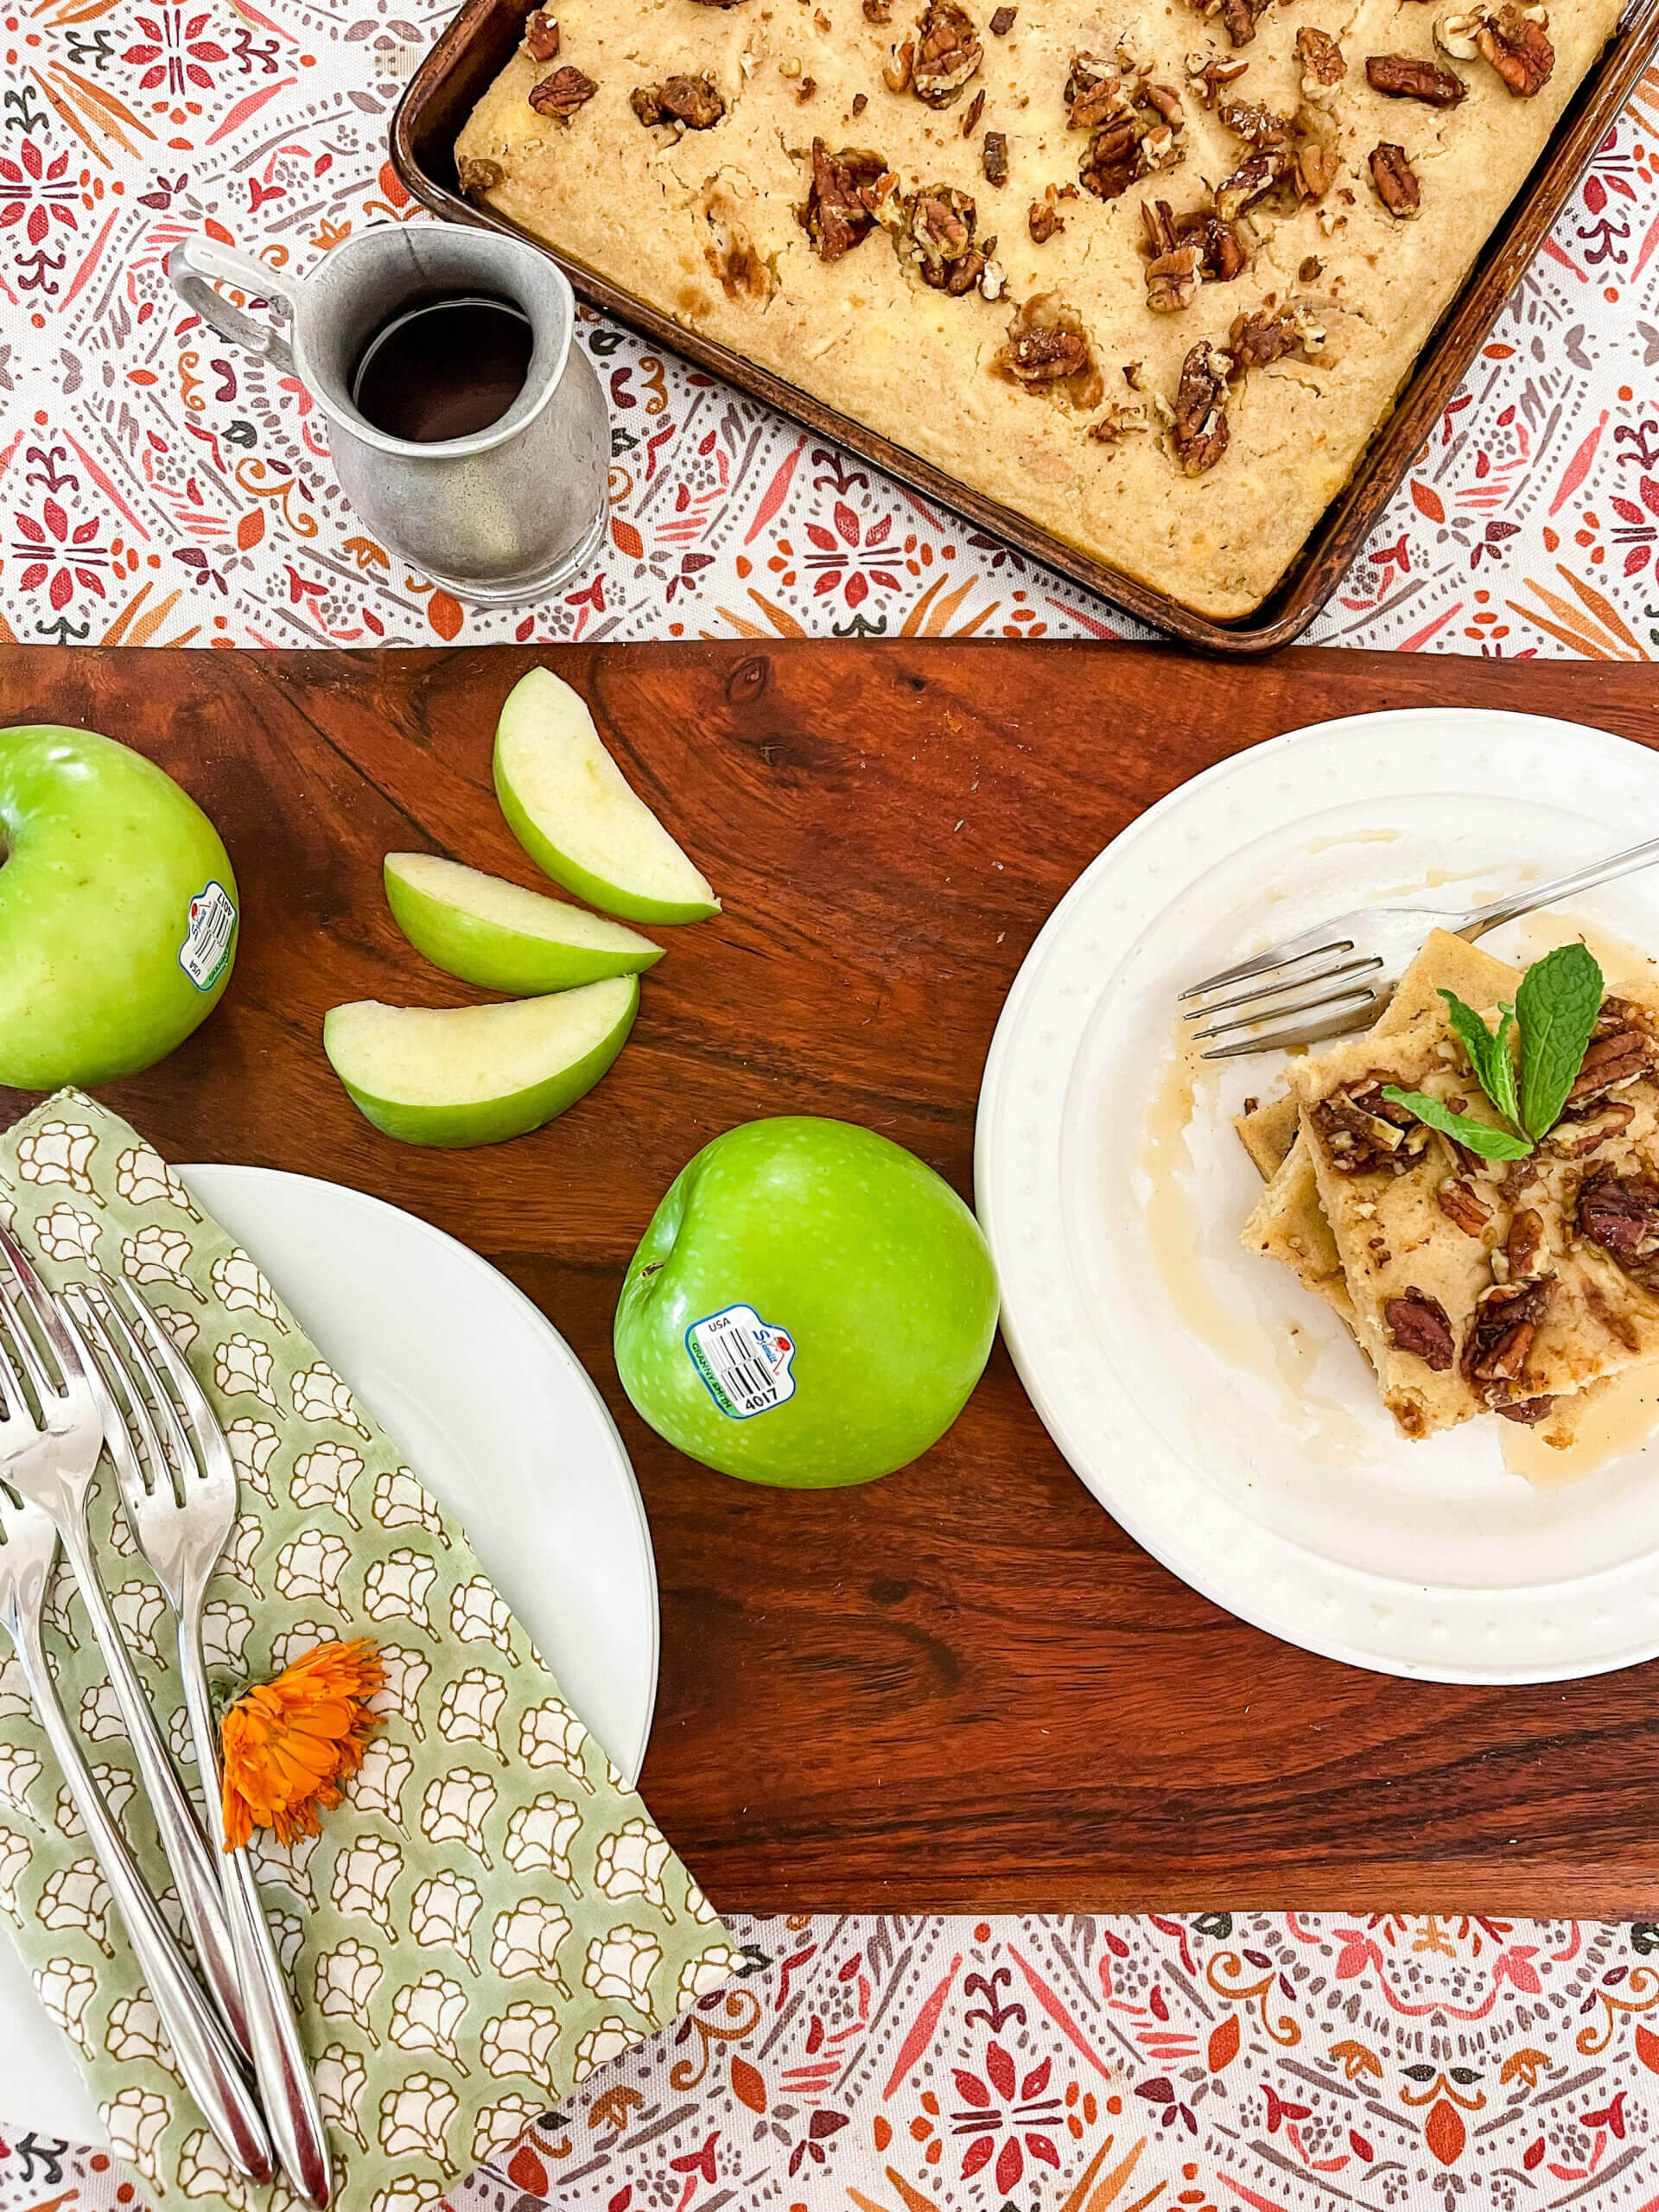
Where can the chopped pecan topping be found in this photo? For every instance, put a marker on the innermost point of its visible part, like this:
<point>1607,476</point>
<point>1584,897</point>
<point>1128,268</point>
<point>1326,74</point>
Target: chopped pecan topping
<point>478,177</point>
<point>1257,340</point>
<point>896,74</point>
<point>1365,1134</point>
<point>693,101</point>
<point>994,157</point>
<point>1296,154</point>
<point>1118,421</point>
<point>1199,432</point>
<point>1516,1178</point>
<point>1528,1411</point>
<point>1097,93</point>
<point>1310,269</point>
<point>1137,127</point>
<point>1047,349</point>
<point>948,53</point>
<point>1240,18</point>
<point>933,233</point>
<point>1575,1137</point>
<point>1401,77</point>
<point>878,11</point>
<point>1458,1203</point>
<point>1621,1214</point>
<point>1513,38</point>
<point>541,35</point>
<point>1323,61</point>
<point>1212,73</point>
<point>976,109</point>
<point>1044,220</point>
<point>563,94</point>
<point>840,205</point>
<point>1505,1321</point>
<point>1002,21</point>
<point>1396,180</point>
<point>1419,1323</point>
<point>1610,1062</point>
<point>1523,1243</point>
<point>1256,124</point>
<point>804,91</point>
<point>860,101</point>
<point>1174,278</point>
<point>717,3</point>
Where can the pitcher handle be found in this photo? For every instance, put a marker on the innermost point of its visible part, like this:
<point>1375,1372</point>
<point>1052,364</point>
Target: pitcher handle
<point>195,264</point>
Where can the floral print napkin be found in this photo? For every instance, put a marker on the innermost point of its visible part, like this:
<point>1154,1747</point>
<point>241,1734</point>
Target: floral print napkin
<point>491,1914</point>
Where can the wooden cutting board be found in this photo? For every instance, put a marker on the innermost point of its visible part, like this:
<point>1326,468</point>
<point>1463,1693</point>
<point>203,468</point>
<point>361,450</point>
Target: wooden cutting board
<point>962,1688</point>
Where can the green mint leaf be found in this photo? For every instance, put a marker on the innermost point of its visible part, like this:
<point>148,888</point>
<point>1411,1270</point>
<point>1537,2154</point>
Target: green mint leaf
<point>1557,1004</point>
<point>1489,1057</point>
<point>1479,1136</point>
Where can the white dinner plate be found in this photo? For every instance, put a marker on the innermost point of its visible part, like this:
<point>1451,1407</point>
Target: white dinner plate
<point>1221,1414</point>
<point>497,1417</point>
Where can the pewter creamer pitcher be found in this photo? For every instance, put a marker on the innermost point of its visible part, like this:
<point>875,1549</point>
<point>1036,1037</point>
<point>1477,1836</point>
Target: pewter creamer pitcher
<point>507,513</point>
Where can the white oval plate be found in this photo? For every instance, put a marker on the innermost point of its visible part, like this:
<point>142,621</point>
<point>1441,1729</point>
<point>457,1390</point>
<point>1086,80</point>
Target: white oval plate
<point>1222,1414</point>
<point>501,1420</point>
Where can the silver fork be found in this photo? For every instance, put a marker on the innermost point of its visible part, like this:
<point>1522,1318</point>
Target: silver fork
<point>178,1484</point>
<point>1361,956</point>
<point>60,1482</point>
<point>29,1545</point>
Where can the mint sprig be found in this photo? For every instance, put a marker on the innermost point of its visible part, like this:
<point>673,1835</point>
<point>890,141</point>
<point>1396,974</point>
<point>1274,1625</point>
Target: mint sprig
<point>1490,1142</point>
<point>1552,1018</point>
<point>1556,1007</point>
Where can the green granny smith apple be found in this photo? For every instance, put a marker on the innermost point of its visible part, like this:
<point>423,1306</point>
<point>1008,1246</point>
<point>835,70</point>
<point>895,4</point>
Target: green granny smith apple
<point>570,807</point>
<point>117,910</point>
<point>469,1075</point>
<point>811,1306</point>
<point>502,937</point>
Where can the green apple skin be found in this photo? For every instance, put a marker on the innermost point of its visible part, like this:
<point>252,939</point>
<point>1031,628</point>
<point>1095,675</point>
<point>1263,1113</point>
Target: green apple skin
<point>544,725</point>
<point>869,1261</point>
<point>502,937</point>
<point>524,1102</point>
<point>103,854</point>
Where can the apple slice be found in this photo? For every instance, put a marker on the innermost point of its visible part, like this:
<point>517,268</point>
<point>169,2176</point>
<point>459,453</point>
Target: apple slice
<point>567,802</point>
<point>502,937</point>
<point>477,1074</point>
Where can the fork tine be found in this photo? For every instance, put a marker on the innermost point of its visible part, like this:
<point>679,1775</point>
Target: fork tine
<point>1258,991</point>
<point>123,1414</point>
<point>203,1421</point>
<point>1361,996</point>
<point>145,1389</point>
<point>1310,946</point>
<point>25,1349</point>
<point>1305,1033</point>
<point>12,1400</point>
<point>48,1319</point>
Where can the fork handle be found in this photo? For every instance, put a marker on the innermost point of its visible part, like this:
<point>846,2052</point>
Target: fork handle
<point>286,2089</point>
<point>182,1840</point>
<point>199,2044</point>
<point>1545,894</point>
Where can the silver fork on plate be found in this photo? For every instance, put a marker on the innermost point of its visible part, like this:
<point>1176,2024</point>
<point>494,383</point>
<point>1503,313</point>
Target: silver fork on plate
<point>178,1484</point>
<point>28,1548</point>
<point>60,1482</point>
<point>1339,976</point>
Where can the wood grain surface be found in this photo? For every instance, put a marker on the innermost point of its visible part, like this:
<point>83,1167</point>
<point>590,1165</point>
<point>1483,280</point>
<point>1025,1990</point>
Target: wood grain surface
<point>962,1688</point>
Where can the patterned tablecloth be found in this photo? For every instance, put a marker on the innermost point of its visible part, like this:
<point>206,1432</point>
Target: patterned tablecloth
<point>158,489</point>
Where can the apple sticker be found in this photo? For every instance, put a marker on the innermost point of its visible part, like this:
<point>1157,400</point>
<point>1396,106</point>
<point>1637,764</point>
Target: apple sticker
<point>744,1361</point>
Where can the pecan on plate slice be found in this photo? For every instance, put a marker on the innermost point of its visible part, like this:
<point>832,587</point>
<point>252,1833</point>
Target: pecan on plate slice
<point>1524,1244</point>
<point>1575,1137</point>
<point>948,54</point>
<point>1513,38</point>
<point>1528,1411</point>
<point>839,210</point>
<point>694,102</point>
<point>1323,63</point>
<point>1400,78</point>
<point>1418,1323</point>
<point>1396,180</point>
<point>563,94</point>
<point>1621,1214</point>
<point>1199,432</point>
<point>1620,1049</point>
<point>1365,1134</point>
<point>1458,1203</point>
<point>994,157</point>
<point>1500,1337</point>
<point>541,35</point>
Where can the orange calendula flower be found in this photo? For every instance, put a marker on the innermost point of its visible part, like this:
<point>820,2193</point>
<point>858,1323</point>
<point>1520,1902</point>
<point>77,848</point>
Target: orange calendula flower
<point>289,1745</point>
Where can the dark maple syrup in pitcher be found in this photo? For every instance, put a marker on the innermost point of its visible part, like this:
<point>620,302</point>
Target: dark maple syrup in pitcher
<point>444,367</point>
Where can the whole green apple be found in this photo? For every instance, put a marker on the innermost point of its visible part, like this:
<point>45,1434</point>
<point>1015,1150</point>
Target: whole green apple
<point>811,1305</point>
<point>117,910</point>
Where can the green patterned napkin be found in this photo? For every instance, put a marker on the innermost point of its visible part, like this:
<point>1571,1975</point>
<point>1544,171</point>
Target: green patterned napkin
<point>492,1914</point>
